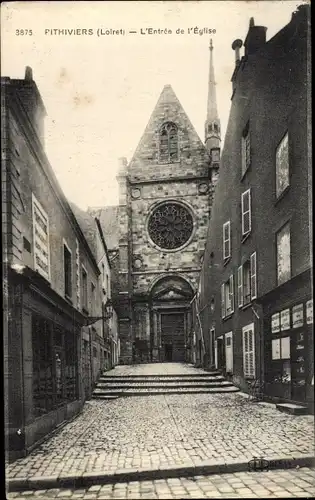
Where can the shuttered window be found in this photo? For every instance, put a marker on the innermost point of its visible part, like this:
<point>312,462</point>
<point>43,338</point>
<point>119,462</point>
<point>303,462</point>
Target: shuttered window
<point>227,296</point>
<point>245,150</point>
<point>223,300</point>
<point>253,276</point>
<point>240,286</point>
<point>231,292</point>
<point>246,212</point>
<point>249,351</point>
<point>226,240</point>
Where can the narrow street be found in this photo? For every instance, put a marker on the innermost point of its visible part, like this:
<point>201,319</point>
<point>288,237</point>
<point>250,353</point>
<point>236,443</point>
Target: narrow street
<point>162,434</point>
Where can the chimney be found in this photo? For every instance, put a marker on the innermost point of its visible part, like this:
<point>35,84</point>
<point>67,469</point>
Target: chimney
<point>256,37</point>
<point>28,73</point>
<point>236,45</point>
<point>32,102</point>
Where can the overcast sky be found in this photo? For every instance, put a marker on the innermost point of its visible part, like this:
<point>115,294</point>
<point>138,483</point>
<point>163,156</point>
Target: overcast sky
<point>99,92</point>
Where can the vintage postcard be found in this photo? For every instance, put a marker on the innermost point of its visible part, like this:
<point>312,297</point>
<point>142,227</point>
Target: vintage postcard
<point>157,249</point>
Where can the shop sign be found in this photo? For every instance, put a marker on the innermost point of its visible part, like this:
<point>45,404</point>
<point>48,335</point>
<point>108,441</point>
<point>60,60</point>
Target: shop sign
<point>285,319</point>
<point>275,323</point>
<point>309,312</point>
<point>297,316</point>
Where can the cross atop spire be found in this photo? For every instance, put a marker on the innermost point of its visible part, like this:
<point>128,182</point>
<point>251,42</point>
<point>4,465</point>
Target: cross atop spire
<point>212,125</point>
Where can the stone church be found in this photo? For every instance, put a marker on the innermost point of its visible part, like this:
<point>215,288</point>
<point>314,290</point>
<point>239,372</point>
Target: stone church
<point>156,236</point>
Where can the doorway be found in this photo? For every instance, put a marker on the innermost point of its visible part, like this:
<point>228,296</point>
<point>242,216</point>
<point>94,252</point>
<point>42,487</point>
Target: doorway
<point>168,352</point>
<point>173,336</point>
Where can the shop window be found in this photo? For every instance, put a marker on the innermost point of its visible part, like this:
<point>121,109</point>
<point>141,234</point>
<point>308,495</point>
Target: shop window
<point>283,254</point>
<point>43,390</point>
<point>280,355</point>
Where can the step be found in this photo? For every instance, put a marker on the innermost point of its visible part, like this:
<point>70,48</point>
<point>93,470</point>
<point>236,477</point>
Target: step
<point>112,380</point>
<point>145,385</point>
<point>292,409</point>
<point>97,394</point>
<point>158,375</point>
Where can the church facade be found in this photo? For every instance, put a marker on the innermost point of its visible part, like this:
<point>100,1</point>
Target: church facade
<point>165,198</point>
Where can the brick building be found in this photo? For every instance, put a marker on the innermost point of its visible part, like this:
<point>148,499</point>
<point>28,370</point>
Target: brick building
<point>159,229</point>
<point>46,259</point>
<point>255,301</point>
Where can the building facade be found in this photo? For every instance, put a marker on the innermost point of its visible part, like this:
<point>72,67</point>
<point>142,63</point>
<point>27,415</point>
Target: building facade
<point>165,197</point>
<point>255,300</point>
<point>100,338</point>
<point>45,256</point>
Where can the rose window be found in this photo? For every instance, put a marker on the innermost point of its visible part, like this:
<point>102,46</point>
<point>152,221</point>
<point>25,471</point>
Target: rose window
<point>170,226</point>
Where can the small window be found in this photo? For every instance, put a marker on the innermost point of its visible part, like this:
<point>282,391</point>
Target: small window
<point>282,165</point>
<point>246,157</point>
<point>249,351</point>
<point>84,289</point>
<point>226,240</point>
<point>67,271</point>
<point>168,147</point>
<point>246,213</point>
<point>283,254</point>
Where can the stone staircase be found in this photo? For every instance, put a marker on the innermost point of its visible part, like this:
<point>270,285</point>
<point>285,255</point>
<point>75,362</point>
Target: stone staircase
<point>112,387</point>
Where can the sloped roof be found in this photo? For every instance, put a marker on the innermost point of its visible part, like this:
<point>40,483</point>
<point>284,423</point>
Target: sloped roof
<point>88,227</point>
<point>108,217</point>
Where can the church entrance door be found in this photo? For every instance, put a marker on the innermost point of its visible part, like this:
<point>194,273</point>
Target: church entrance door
<point>173,336</point>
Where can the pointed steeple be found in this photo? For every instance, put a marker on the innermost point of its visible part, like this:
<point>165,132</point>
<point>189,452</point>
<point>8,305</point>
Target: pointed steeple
<point>212,124</point>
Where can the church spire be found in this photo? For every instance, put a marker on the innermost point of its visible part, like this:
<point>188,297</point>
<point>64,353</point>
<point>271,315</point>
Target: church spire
<point>212,125</point>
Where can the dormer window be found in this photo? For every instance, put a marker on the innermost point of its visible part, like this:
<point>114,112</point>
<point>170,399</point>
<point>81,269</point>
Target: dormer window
<point>168,151</point>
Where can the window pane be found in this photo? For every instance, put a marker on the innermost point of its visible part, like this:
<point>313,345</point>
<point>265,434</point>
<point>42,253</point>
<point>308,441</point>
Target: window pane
<point>283,255</point>
<point>282,165</point>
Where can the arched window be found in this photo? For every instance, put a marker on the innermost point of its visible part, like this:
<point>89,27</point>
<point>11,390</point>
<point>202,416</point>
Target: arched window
<point>168,152</point>
<point>216,128</point>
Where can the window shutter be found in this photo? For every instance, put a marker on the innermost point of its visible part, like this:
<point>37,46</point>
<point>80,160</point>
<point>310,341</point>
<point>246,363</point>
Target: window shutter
<point>253,276</point>
<point>232,292</point>
<point>226,240</point>
<point>251,352</point>
<point>245,354</point>
<point>216,353</point>
<point>246,212</point>
<point>223,300</point>
<point>240,286</point>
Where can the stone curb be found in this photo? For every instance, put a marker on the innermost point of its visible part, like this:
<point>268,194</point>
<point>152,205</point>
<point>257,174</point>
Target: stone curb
<point>83,479</point>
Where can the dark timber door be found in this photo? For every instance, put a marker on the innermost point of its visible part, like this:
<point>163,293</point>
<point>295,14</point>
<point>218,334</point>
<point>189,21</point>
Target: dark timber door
<point>173,336</point>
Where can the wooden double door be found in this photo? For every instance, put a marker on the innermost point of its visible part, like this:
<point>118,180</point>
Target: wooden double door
<point>172,336</point>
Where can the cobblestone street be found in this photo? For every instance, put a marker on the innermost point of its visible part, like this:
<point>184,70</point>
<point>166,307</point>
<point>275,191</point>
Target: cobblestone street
<point>167,431</point>
<point>273,484</point>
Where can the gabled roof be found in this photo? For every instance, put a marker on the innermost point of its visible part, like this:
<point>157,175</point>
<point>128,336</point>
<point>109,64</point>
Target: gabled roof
<point>168,107</point>
<point>88,227</point>
<point>108,217</point>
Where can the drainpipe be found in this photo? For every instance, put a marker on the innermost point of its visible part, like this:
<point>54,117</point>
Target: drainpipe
<point>260,331</point>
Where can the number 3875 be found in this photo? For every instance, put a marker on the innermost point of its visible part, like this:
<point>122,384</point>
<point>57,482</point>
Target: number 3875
<point>23,32</point>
